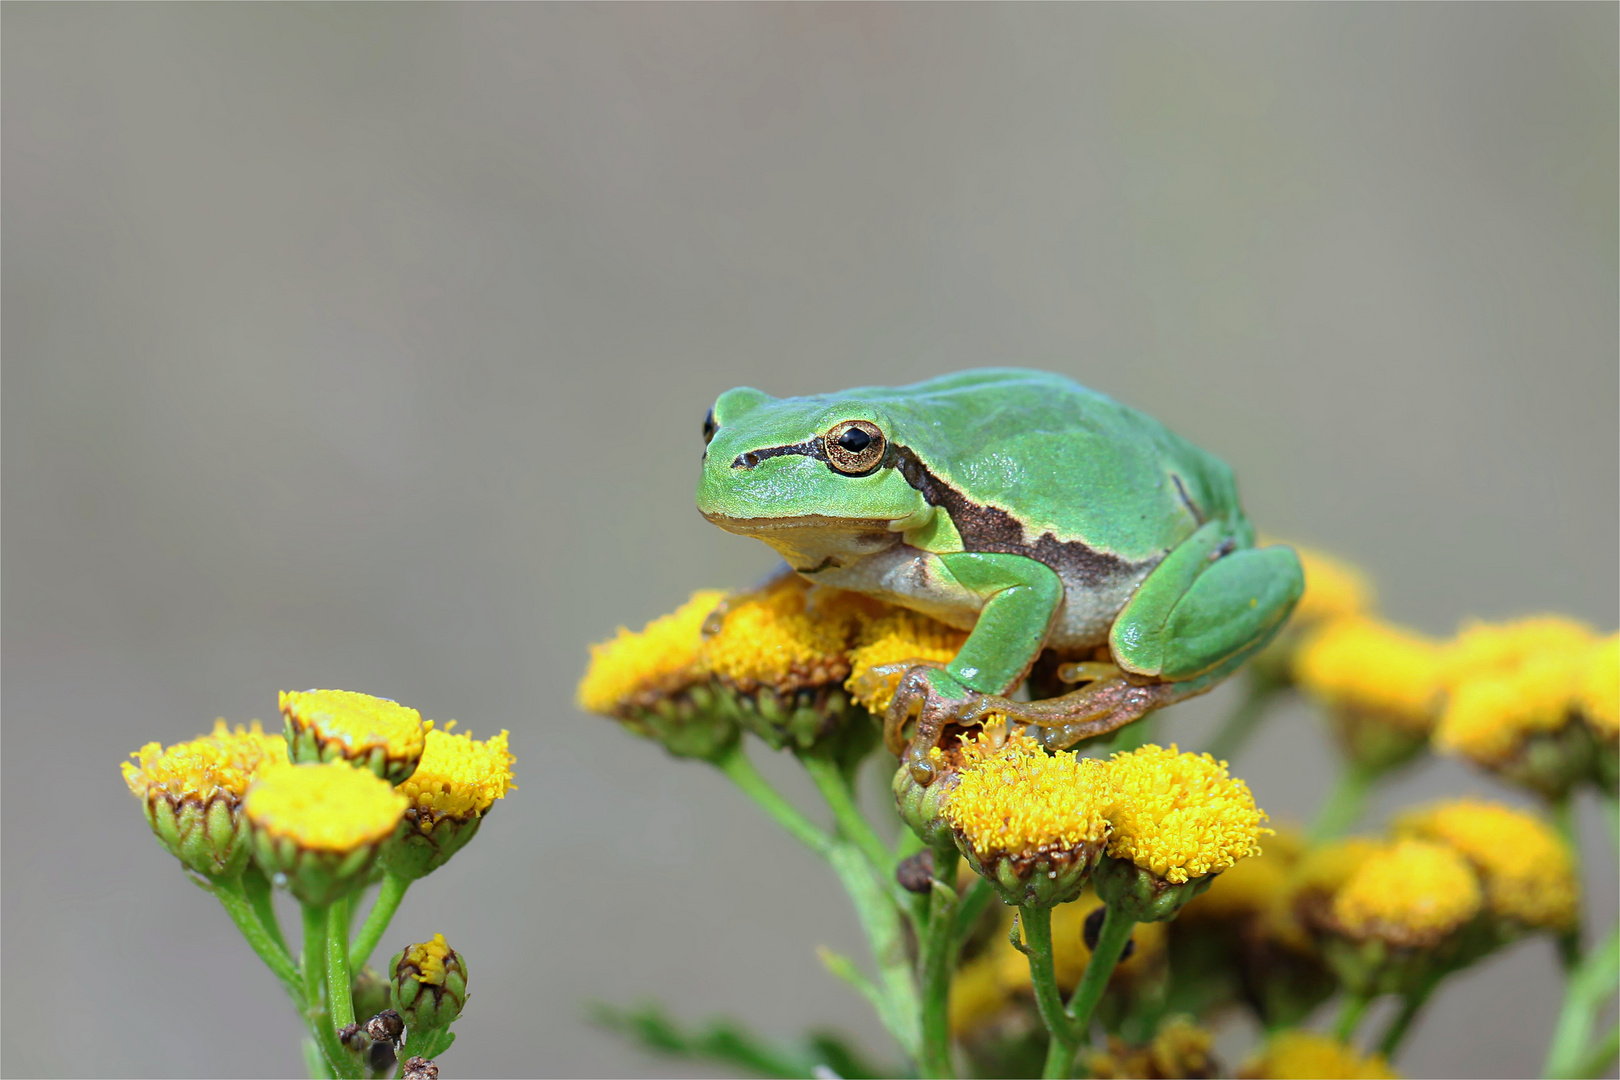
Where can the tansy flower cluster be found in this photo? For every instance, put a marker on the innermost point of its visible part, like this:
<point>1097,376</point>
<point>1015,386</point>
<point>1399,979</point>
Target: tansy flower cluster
<point>358,791</point>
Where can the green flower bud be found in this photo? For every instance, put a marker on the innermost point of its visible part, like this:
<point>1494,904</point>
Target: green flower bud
<point>370,993</point>
<point>429,983</point>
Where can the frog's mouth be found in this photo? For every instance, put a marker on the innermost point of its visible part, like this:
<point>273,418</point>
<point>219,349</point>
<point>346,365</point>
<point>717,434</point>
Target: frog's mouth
<point>815,542</point>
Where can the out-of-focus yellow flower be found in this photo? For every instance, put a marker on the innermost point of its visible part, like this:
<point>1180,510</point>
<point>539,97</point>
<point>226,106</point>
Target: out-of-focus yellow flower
<point>1369,666</point>
<point>321,826</point>
<point>1488,717</point>
<point>1487,649</point>
<point>1527,871</point>
<point>1029,821</point>
<point>1411,893</point>
<point>340,725</point>
<point>1258,890</point>
<point>979,991</point>
<point>192,792</point>
<point>1305,1055</point>
<point>1325,869</point>
<point>1334,589</point>
<point>1071,954</point>
<point>635,666</point>
<point>888,644</point>
<point>1597,688</point>
<point>1180,816</point>
<point>1180,1050</point>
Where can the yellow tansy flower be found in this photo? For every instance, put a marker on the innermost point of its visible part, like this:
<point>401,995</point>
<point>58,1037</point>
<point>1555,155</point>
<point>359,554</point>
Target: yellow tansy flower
<point>889,644</point>
<point>1597,688</point>
<point>1180,816</point>
<point>1180,1049</point>
<point>1485,648</point>
<point>777,638</point>
<point>1030,821</point>
<point>320,827</point>
<point>978,992</point>
<point>192,792</point>
<point>635,664</point>
<point>429,984</point>
<point>1413,892</point>
<point>1334,589</point>
<point>370,732</point>
<point>1364,664</point>
<point>459,776</point>
<point>1488,717</point>
<point>1305,1055</point>
<point>1258,890</point>
<point>1325,869</point>
<point>1527,871</point>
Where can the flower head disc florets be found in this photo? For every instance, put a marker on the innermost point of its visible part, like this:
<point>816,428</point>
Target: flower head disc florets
<point>637,667</point>
<point>192,792</point>
<point>1527,871</point>
<point>320,827</point>
<point>340,725</point>
<point>1031,822</point>
<point>891,643</point>
<point>1411,893</point>
<point>1180,816</point>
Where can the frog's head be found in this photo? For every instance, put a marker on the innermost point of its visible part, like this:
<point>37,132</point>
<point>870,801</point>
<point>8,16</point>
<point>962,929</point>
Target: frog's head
<point>814,477</point>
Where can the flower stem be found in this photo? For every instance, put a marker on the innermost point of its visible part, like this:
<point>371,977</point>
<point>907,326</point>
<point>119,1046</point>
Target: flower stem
<point>1242,722</point>
<point>1343,806</point>
<point>1411,1005</point>
<point>389,895</point>
<point>1569,941</point>
<point>833,783</point>
<point>735,764</point>
<point>316,918</point>
<point>938,961</point>
<point>1036,926</point>
<point>234,899</point>
<point>339,989</point>
<point>1601,1056</point>
<point>1589,985</point>
<point>1350,1014</point>
<point>899,1006</point>
<point>978,898</point>
<point>1111,942</point>
<point>260,895</point>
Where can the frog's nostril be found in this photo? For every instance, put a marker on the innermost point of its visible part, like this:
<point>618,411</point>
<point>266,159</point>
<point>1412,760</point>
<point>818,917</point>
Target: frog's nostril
<point>750,459</point>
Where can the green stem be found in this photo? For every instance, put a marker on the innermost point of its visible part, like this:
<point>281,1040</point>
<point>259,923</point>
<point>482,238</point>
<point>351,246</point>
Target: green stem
<point>833,783</point>
<point>1569,941</point>
<point>978,898</point>
<point>262,897</point>
<point>938,961</point>
<point>1411,1005</point>
<point>1588,987</point>
<point>343,1064</point>
<point>234,899</point>
<point>735,764</point>
<point>1343,806</point>
<point>1036,925</point>
<point>1111,942</point>
<point>339,988</point>
<point>885,935</point>
<point>1242,722</point>
<point>389,895</point>
<point>1350,1014</point>
<point>1602,1055</point>
<point>315,1062</point>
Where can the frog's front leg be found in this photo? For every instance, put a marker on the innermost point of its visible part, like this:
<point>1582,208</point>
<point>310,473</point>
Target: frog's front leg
<point>1021,598</point>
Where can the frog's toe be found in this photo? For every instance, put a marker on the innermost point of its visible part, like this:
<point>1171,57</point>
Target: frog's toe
<point>1104,706</point>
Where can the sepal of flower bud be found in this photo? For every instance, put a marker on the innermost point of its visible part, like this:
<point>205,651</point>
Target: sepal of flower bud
<point>921,807</point>
<point>429,983</point>
<point>370,992</point>
<point>1140,893</point>
<point>319,829</point>
<point>372,733</point>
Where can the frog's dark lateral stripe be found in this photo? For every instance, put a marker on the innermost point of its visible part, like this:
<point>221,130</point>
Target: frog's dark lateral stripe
<point>810,448</point>
<point>989,528</point>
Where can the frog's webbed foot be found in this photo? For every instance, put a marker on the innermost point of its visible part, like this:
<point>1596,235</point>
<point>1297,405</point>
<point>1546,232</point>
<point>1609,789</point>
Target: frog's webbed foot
<point>928,695</point>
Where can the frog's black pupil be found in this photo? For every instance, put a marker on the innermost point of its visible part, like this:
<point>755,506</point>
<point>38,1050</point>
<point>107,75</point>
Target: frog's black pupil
<point>854,440</point>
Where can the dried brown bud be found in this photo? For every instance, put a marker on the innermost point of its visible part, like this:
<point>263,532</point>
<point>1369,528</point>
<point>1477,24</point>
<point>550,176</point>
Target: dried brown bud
<point>386,1027</point>
<point>916,874</point>
<point>353,1037</point>
<point>418,1068</point>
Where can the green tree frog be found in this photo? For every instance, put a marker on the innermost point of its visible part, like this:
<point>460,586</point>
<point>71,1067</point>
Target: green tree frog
<point>1025,508</point>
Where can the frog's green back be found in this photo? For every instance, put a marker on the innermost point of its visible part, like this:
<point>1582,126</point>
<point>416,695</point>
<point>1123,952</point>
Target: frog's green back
<point>1064,459</point>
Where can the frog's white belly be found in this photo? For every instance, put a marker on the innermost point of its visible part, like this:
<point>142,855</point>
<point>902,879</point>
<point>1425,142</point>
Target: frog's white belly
<point>916,579</point>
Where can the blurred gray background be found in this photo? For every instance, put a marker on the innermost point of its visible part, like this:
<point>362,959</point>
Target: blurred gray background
<point>367,346</point>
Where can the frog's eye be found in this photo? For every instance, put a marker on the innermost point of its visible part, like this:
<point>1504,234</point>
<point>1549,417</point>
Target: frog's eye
<point>709,428</point>
<point>854,446</point>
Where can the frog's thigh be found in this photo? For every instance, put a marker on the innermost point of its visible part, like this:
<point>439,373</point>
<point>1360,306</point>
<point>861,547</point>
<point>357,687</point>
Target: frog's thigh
<point>1021,599</point>
<point>1232,607</point>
